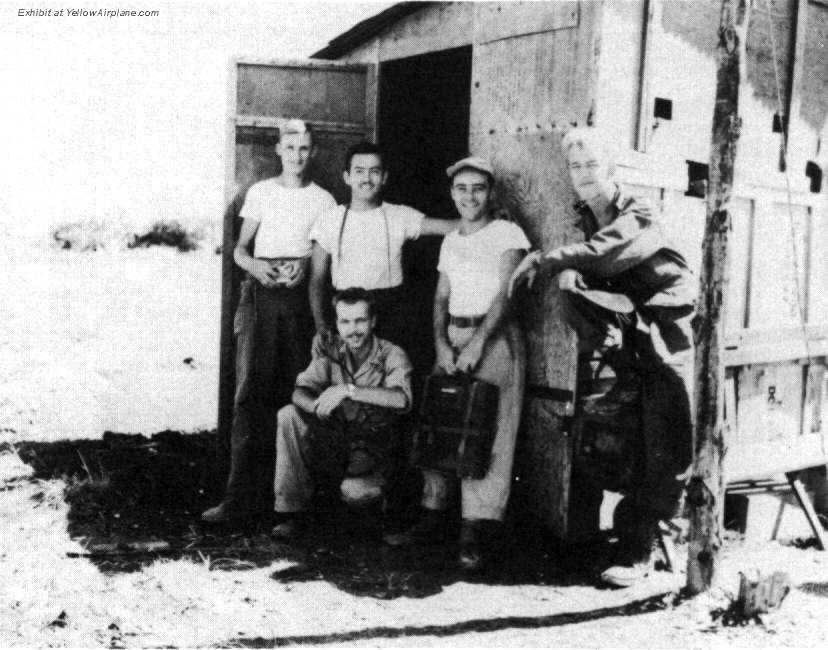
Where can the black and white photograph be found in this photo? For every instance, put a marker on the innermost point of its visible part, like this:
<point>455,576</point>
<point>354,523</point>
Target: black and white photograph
<point>414,324</point>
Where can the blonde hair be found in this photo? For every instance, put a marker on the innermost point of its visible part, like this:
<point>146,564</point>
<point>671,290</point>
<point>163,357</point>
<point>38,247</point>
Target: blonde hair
<point>590,138</point>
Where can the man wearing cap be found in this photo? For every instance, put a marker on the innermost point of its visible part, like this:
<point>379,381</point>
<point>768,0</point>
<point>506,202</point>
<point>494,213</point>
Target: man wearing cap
<point>344,415</point>
<point>360,245</point>
<point>630,294</point>
<point>273,321</point>
<point>475,333</point>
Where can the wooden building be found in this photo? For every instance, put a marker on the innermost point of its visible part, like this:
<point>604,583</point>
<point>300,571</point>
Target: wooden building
<point>434,81</point>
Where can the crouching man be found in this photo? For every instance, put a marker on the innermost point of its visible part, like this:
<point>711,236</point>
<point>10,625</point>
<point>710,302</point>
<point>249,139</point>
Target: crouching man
<point>343,420</point>
<point>629,293</point>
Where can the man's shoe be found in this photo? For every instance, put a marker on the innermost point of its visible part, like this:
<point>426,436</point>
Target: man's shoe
<point>475,536</point>
<point>626,575</point>
<point>219,514</point>
<point>429,529</point>
<point>289,528</point>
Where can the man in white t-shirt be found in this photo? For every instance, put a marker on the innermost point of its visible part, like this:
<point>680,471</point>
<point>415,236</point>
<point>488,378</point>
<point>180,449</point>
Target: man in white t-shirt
<point>273,323</point>
<point>474,333</point>
<point>360,245</point>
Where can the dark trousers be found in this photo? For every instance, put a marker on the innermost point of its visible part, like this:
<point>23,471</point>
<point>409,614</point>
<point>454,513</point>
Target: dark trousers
<point>273,330</point>
<point>665,409</point>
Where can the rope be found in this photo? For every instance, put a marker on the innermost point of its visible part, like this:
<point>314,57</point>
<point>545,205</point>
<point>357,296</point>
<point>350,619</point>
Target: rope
<point>785,124</point>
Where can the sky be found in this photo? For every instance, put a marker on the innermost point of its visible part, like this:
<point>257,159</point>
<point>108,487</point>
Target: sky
<point>123,119</point>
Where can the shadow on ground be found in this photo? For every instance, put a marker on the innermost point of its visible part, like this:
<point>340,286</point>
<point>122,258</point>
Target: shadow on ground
<point>133,500</point>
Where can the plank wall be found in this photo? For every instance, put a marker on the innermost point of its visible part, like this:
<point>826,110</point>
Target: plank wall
<point>667,49</point>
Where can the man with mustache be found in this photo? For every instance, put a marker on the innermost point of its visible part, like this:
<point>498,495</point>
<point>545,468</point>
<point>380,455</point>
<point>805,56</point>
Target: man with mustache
<point>360,245</point>
<point>344,414</point>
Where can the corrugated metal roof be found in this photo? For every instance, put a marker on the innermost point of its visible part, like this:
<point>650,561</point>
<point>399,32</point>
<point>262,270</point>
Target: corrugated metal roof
<point>367,29</point>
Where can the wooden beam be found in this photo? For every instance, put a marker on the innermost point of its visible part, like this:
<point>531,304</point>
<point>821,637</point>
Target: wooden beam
<point>645,115</point>
<point>808,509</point>
<point>705,493</point>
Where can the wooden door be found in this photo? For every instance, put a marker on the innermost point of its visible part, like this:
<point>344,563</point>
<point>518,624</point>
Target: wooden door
<point>338,100</point>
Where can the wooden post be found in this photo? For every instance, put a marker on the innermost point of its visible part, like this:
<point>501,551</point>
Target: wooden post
<point>705,493</point>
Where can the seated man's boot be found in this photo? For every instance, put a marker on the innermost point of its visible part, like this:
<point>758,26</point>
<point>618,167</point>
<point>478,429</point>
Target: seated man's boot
<point>429,529</point>
<point>634,561</point>
<point>627,572</point>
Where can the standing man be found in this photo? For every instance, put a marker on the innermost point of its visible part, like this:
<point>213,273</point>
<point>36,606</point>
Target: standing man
<point>360,245</point>
<point>343,417</point>
<point>475,333</point>
<point>631,294</point>
<point>273,322</point>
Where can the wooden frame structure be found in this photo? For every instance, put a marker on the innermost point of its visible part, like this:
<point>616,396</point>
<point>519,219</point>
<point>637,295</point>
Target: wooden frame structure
<point>538,67</point>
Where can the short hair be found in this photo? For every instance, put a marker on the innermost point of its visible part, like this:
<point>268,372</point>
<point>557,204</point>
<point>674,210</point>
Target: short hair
<point>353,295</point>
<point>592,139</point>
<point>294,126</point>
<point>363,147</point>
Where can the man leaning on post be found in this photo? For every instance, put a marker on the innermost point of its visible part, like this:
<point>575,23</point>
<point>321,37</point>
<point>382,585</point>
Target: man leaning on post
<point>343,417</point>
<point>629,293</point>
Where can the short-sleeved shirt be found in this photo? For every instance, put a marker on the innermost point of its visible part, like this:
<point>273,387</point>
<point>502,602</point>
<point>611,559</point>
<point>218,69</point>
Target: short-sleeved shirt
<point>387,366</point>
<point>369,254</point>
<point>472,264</point>
<point>285,216</point>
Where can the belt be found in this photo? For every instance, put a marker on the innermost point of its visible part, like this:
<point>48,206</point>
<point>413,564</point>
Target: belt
<point>466,321</point>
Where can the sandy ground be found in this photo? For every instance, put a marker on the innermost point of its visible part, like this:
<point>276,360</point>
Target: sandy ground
<point>91,342</point>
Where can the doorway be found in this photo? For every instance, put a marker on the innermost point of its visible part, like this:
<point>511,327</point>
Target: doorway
<point>423,125</point>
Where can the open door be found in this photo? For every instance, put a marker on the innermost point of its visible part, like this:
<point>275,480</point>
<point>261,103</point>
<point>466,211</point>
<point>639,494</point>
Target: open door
<point>339,101</point>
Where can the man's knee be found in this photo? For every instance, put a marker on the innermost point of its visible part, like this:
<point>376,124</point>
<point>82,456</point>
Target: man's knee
<point>360,491</point>
<point>289,420</point>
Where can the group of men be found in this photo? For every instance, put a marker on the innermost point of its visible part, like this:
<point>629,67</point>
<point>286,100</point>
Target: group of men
<point>322,385</point>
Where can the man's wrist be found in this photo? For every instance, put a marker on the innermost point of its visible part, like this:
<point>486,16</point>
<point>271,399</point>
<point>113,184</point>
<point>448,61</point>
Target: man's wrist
<point>351,389</point>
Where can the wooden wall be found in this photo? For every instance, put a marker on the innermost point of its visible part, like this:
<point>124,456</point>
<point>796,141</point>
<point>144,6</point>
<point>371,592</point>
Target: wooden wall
<point>538,67</point>
<point>533,72</point>
<point>777,256</point>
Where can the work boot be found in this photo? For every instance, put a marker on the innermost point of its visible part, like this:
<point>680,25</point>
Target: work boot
<point>476,539</point>
<point>637,543</point>
<point>627,574</point>
<point>429,529</point>
<point>222,513</point>
<point>289,526</point>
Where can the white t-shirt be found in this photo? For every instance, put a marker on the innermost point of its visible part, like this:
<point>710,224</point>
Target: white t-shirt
<point>472,263</point>
<point>370,253</point>
<point>285,216</point>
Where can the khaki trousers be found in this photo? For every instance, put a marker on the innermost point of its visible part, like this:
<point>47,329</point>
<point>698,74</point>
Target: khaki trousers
<point>503,364</point>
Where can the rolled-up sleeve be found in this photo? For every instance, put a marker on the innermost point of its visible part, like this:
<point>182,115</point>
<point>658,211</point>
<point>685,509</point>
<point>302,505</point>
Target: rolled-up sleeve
<point>398,371</point>
<point>317,376</point>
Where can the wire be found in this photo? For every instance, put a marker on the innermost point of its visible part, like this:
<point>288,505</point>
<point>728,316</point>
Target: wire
<point>786,124</point>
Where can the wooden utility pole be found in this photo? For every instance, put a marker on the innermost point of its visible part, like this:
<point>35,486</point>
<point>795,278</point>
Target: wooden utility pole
<point>705,493</point>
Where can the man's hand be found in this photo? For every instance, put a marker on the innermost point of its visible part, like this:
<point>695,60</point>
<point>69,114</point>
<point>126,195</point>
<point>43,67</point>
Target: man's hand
<point>297,273</point>
<point>264,273</point>
<point>326,341</point>
<point>445,357</point>
<point>526,271</point>
<point>330,398</point>
<point>470,355</point>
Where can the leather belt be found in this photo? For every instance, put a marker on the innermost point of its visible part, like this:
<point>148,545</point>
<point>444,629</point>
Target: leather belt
<point>466,321</point>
